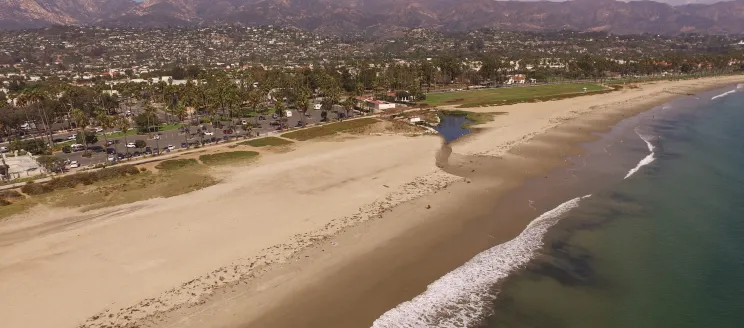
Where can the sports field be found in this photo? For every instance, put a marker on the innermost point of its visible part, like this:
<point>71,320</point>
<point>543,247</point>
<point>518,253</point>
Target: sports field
<point>505,96</point>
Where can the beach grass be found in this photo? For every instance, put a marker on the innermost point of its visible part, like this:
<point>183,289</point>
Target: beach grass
<point>175,164</point>
<point>329,129</point>
<point>512,95</point>
<point>225,158</point>
<point>268,141</point>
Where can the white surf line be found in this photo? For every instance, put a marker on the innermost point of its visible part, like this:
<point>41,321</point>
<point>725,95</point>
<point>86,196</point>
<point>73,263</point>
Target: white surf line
<point>462,297</point>
<point>646,160</point>
<point>723,94</point>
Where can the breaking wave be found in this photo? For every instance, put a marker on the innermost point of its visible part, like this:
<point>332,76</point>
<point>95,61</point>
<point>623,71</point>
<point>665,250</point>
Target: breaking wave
<point>462,297</point>
<point>723,94</point>
<point>646,160</point>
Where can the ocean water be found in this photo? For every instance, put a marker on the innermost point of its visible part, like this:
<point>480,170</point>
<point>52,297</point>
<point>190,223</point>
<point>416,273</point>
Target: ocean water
<point>662,248</point>
<point>659,243</point>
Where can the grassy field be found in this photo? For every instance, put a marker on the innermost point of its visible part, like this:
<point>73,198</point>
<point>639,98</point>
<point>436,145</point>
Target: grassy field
<point>108,187</point>
<point>268,141</point>
<point>228,157</point>
<point>175,164</point>
<point>329,129</point>
<point>505,96</point>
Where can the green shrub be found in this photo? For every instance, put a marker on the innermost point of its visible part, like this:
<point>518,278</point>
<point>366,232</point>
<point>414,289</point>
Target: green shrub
<point>175,164</point>
<point>10,194</point>
<point>32,188</point>
<point>227,157</point>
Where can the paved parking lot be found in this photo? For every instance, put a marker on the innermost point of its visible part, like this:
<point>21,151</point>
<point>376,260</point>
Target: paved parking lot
<point>176,137</point>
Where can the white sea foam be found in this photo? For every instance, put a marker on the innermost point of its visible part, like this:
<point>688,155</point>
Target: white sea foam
<point>740,86</point>
<point>646,160</point>
<point>723,94</point>
<point>666,106</point>
<point>461,297</point>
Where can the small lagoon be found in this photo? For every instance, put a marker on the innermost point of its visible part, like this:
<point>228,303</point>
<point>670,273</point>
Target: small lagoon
<point>452,127</point>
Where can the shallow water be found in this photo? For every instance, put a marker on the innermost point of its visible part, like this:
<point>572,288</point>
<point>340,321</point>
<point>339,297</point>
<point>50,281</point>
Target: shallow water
<point>452,128</point>
<point>663,248</point>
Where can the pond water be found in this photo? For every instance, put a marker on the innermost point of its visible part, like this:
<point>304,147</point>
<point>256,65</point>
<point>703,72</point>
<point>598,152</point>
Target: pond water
<point>452,127</point>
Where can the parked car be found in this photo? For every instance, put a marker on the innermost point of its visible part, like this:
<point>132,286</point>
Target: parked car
<point>66,149</point>
<point>288,113</point>
<point>99,130</point>
<point>110,143</point>
<point>156,137</point>
<point>72,137</point>
<point>3,149</point>
<point>110,151</point>
<point>131,145</point>
<point>243,122</point>
<point>121,156</point>
<point>261,118</point>
<point>275,123</point>
<point>111,158</point>
<point>184,145</point>
<point>171,147</point>
<point>274,116</point>
<point>208,133</point>
<point>300,124</point>
<point>136,154</point>
<point>74,164</point>
<point>148,151</point>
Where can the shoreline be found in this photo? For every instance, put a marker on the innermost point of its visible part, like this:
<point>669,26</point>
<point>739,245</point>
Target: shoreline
<point>371,249</point>
<point>365,254</point>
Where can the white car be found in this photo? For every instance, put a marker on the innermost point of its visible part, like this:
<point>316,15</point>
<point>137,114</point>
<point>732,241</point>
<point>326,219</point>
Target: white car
<point>111,158</point>
<point>74,164</point>
<point>131,145</point>
<point>208,133</point>
<point>156,137</point>
<point>171,147</point>
<point>99,130</point>
<point>72,137</point>
<point>3,149</point>
<point>244,122</point>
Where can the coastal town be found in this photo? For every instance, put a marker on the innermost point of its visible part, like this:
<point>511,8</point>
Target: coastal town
<point>246,176</point>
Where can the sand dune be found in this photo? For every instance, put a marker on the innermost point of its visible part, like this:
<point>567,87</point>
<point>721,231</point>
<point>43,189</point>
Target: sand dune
<point>121,265</point>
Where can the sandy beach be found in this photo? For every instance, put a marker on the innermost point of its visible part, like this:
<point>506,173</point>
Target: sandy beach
<point>300,238</point>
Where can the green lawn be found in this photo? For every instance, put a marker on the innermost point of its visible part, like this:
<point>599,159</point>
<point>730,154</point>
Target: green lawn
<point>505,96</point>
<point>118,134</point>
<point>227,157</point>
<point>329,129</point>
<point>268,141</point>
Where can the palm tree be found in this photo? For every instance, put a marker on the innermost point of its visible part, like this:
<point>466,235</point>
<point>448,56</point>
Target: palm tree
<point>81,121</point>
<point>348,104</point>
<point>302,101</point>
<point>123,125</point>
<point>280,111</point>
<point>106,123</point>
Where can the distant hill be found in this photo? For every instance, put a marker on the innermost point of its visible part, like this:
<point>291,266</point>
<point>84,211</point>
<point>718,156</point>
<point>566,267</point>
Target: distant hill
<point>384,16</point>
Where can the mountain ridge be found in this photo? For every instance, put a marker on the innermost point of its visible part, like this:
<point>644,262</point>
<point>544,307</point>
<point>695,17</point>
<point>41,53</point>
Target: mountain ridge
<point>383,16</point>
